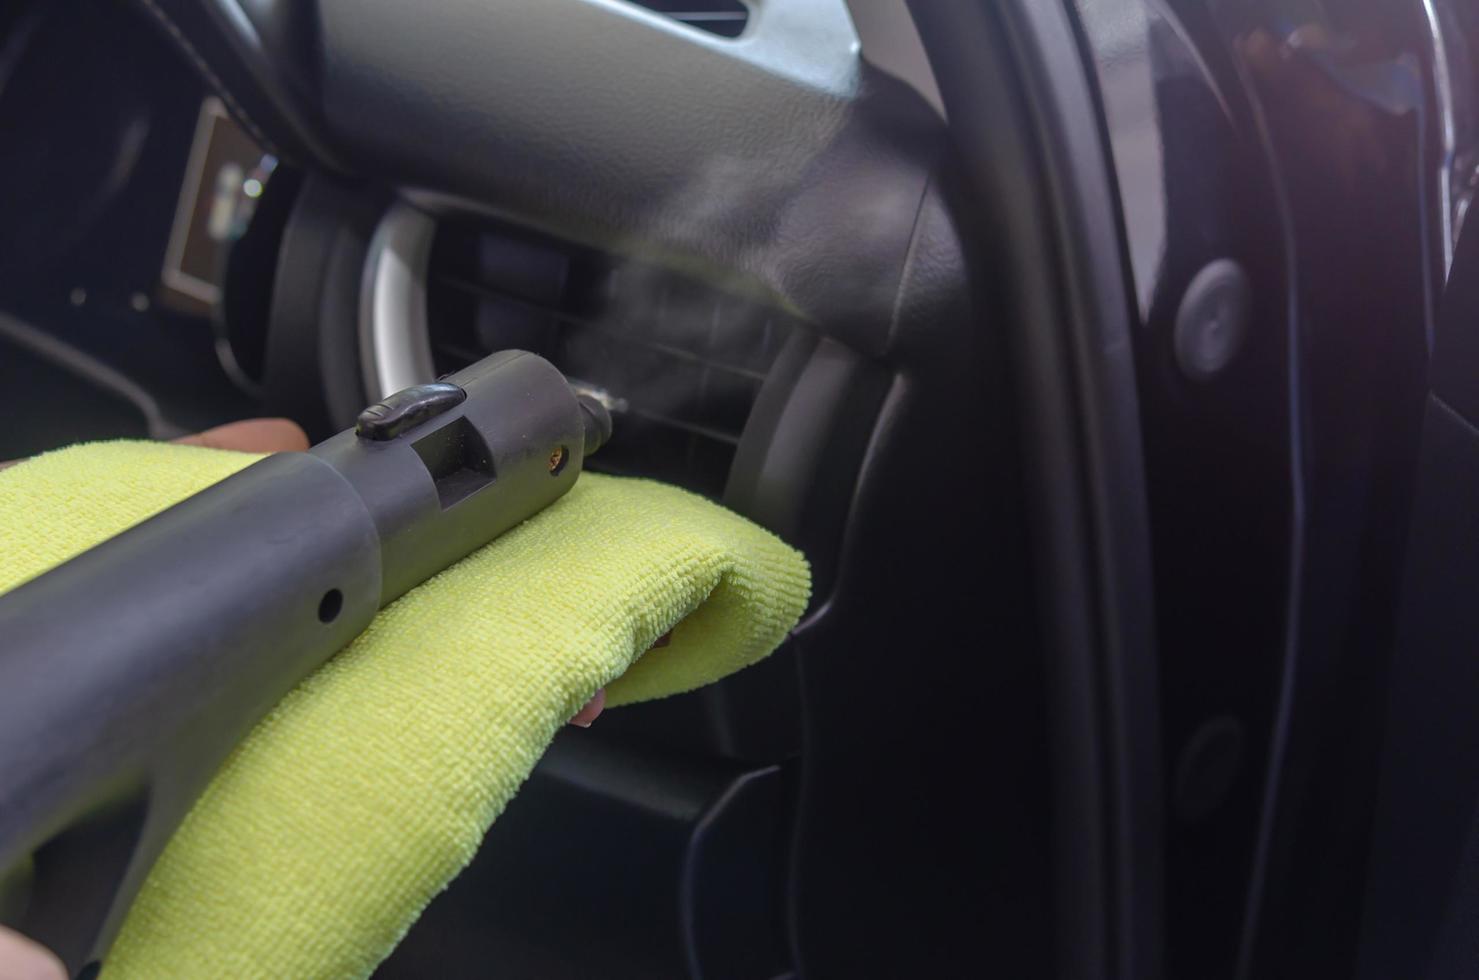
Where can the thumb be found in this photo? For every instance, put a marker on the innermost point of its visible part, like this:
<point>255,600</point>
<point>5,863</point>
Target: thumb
<point>21,959</point>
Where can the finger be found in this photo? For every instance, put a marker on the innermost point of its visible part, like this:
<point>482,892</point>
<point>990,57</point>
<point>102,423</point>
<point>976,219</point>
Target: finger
<point>252,436</point>
<point>21,959</point>
<point>591,711</point>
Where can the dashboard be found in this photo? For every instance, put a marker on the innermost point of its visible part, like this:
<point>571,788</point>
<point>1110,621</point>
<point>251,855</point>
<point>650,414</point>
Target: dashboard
<point>163,270</point>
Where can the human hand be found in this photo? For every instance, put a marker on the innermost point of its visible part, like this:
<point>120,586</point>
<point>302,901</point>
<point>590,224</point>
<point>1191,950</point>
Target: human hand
<point>21,959</point>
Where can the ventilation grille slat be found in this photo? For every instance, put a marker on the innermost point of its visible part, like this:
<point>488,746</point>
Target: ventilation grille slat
<point>686,362</point>
<point>727,18</point>
<point>614,332</point>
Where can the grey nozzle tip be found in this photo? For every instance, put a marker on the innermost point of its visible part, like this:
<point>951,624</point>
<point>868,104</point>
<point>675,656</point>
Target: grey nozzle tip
<point>597,422</point>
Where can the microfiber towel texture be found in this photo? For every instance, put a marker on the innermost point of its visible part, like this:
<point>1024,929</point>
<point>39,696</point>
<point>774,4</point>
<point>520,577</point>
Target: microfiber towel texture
<point>372,784</point>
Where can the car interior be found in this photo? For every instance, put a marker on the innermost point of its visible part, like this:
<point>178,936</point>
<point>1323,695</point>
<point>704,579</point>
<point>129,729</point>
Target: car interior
<point>1080,347</point>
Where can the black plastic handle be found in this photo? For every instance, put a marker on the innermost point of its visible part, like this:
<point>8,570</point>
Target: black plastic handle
<point>128,673</point>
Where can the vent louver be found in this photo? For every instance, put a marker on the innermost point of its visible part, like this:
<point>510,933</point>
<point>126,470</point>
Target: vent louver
<point>727,18</point>
<point>682,362</point>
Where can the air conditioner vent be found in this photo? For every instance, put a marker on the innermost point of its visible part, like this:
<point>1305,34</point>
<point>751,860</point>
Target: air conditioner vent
<point>683,362</point>
<point>727,18</point>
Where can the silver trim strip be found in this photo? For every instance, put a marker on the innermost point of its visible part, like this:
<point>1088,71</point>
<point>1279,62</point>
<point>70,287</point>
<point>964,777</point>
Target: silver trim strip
<point>211,110</point>
<point>395,345</point>
<point>1443,95</point>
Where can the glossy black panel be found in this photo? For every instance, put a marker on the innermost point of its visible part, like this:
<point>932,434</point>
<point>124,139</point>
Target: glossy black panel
<point>1306,144</point>
<point>1199,201</point>
<point>1346,93</point>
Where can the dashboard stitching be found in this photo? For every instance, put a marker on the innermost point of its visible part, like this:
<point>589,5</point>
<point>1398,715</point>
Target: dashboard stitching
<point>210,76</point>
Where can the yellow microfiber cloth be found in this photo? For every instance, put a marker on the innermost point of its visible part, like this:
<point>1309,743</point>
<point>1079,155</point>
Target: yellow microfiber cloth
<point>371,785</point>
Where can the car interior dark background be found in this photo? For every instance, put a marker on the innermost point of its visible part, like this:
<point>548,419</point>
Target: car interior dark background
<point>1108,359</point>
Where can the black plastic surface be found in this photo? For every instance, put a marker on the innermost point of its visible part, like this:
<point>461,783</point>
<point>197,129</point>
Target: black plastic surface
<point>247,286</point>
<point>1422,873</point>
<point>1421,909</point>
<point>97,114</point>
<point>798,462</point>
<point>61,407</point>
<point>782,165</point>
<point>436,499</point>
<point>406,409</point>
<point>313,362</point>
<point>1205,226</point>
<point>1456,346</point>
<point>1360,320</point>
<point>696,887</point>
<point>1033,158</point>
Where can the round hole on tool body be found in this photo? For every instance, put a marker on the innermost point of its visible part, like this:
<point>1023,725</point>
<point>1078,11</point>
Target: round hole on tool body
<point>557,460</point>
<point>329,606</point>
